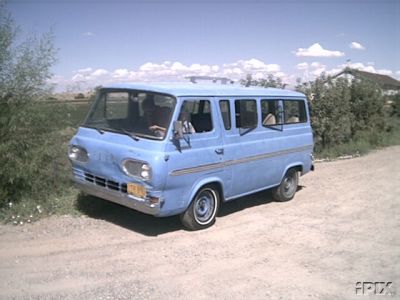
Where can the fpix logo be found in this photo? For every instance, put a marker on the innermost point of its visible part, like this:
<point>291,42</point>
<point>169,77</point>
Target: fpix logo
<point>381,288</point>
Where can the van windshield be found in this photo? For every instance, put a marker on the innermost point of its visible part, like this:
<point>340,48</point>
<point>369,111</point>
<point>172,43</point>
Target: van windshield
<point>131,112</point>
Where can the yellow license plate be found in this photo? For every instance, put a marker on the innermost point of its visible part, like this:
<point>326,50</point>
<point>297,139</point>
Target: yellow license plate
<point>136,190</point>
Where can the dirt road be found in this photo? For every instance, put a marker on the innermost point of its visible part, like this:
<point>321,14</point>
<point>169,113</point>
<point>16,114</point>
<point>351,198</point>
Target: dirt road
<point>343,226</point>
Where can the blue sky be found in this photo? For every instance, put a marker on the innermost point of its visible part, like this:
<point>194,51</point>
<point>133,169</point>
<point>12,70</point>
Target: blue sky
<point>102,41</point>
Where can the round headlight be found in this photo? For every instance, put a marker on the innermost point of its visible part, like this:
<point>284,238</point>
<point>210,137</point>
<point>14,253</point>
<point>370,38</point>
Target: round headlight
<point>77,153</point>
<point>136,168</point>
<point>145,173</point>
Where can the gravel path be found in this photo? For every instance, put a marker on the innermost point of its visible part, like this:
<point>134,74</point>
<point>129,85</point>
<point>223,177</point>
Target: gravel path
<point>342,227</point>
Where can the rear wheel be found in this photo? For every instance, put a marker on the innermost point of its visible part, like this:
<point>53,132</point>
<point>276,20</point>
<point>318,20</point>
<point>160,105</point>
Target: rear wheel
<point>202,211</point>
<point>288,187</point>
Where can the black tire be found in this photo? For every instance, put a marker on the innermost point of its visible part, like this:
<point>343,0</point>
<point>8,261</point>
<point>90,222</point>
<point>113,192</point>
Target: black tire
<point>288,187</point>
<point>202,210</point>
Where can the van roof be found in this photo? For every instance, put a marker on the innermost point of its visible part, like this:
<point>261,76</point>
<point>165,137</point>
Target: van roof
<point>198,89</point>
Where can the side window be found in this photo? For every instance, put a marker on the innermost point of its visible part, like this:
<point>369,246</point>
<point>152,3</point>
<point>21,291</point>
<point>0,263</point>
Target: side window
<point>295,111</point>
<point>196,116</point>
<point>270,113</point>
<point>225,113</point>
<point>246,113</point>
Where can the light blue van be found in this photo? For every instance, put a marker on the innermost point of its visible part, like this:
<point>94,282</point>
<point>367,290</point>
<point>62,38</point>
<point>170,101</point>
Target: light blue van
<point>185,149</point>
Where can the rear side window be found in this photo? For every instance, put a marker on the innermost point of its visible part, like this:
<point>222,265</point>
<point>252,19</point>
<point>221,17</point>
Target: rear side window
<point>246,113</point>
<point>270,115</point>
<point>294,111</point>
<point>198,115</point>
<point>225,113</point>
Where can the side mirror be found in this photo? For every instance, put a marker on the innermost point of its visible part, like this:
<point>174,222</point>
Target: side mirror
<point>178,130</point>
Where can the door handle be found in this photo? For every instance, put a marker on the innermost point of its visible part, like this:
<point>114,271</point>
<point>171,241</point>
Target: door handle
<point>219,151</point>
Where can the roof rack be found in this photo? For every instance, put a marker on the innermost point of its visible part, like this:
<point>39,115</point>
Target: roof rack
<point>224,80</point>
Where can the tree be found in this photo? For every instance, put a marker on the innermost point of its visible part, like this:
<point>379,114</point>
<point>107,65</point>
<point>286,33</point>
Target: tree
<point>343,110</point>
<point>28,128</point>
<point>270,81</point>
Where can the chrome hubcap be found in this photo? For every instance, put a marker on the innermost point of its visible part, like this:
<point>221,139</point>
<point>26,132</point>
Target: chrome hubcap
<point>204,207</point>
<point>288,186</point>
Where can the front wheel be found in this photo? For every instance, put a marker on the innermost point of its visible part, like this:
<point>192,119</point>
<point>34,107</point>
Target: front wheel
<point>288,187</point>
<point>202,211</point>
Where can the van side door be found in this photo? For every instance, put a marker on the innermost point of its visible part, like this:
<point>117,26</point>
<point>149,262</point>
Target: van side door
<point>198,156</point>
<point>242,146</point>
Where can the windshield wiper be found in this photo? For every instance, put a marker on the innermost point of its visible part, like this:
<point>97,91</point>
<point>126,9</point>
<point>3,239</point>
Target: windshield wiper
<point>100,130</point>
<point>134,137</point>
<point>123,131</point>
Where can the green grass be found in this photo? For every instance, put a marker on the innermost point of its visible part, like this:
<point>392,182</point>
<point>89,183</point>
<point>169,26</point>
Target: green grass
<point>28,211</point>
<point>60,200</point>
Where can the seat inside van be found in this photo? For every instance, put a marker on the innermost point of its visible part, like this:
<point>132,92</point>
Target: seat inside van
<point>201,122</point>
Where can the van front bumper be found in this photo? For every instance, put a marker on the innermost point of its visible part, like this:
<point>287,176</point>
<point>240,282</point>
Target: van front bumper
<point>142,205</point>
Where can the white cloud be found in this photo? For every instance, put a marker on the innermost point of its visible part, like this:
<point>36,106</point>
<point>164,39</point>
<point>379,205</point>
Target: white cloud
<point>150,67</point>
<point>120,73</point>
<point>175,71</point>
<point>85,71</point>
<point>333,71</point>
<point>232,71</point>
<point>281,75</point>
<point>88,33</point>
<point>355,45</point>
<point>87,78</point>
<point>384,72</point>
<point>316,50</point>
<point>302,66</point>
<point>178,67</point>
<point>359,66</point>
<point>316,64</point>
<point>253,65</point>
<point>78,77</point>
<point>317,68</point>
<point>310,71</point>
<point>99,72</point>
<point>215,68</point>
<point>200,69</point>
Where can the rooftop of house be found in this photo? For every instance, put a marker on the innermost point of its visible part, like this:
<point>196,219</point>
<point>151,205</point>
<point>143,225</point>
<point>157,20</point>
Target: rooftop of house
<point>384,81</point>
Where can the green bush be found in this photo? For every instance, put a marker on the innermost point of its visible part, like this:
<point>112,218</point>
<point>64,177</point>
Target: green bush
<point>394,101</point>
<point>33,133</point>
<point>344,113</point>
<point>31,152</point>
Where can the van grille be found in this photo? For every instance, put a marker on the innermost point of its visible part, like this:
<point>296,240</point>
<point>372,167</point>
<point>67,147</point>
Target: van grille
<point>106,183</point>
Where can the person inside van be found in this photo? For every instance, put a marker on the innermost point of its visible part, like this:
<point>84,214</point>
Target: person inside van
<point>157,117</point>
<point>186,125</point>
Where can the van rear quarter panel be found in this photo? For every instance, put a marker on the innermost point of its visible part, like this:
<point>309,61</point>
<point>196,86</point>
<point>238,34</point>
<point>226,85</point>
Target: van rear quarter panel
<point>261,157</point>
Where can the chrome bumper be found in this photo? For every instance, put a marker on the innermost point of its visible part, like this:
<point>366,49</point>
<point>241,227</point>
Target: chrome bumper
<point>117,197</point>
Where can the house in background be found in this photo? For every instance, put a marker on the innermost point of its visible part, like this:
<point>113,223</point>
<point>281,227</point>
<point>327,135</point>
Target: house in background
<point>388,85</point>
